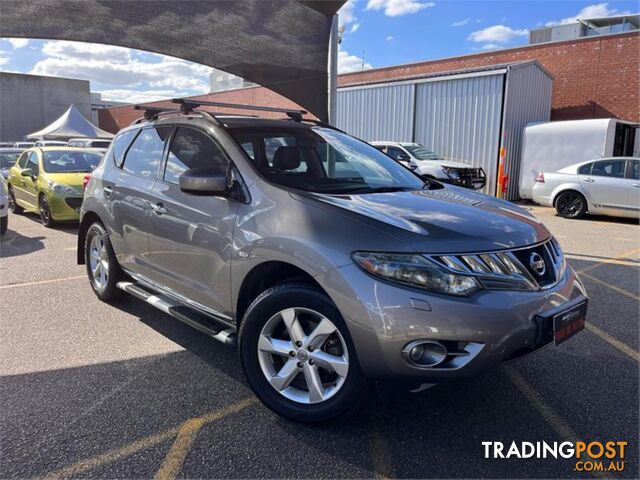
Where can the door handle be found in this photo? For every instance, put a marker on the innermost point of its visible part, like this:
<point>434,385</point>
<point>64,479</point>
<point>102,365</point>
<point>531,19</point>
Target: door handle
<point>107,190</point>
<point>158,208</point>
<point>589,180</point>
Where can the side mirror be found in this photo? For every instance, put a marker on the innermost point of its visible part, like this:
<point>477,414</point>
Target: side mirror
<point>403,157</point>
<point>413,167</point>
<point>27,172</point>
<point>204,181</point>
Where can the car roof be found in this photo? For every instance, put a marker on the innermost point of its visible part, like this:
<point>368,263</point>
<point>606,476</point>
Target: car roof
<point>58,148</point>
<point>11,149</point>
<point>397,144</point>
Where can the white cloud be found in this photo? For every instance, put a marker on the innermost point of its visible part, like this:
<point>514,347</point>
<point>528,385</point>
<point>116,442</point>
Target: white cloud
<point>351,63</point>
<point>18,42</point>
<point>591,11</point>
<point>489,46</point>
<point>390,38</point>
<point>116,66</point>
<point>396,8</point>
<point>461,22</point>
<point>354,28</point>
<point>497,33</point>
<point>346,14</point>
<point>4,60</point>
<point>135,96</point>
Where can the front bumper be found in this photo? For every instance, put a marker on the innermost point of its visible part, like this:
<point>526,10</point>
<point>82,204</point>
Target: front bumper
<point>493,326</point>
<point>64,207</point>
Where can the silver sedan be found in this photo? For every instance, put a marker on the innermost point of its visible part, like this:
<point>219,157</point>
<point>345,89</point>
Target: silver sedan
<point>609,186</point>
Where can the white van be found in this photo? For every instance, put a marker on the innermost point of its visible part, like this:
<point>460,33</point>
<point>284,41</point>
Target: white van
<point>551,146</point>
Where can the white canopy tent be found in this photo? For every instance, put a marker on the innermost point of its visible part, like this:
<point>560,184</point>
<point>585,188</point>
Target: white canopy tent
<point>72,124</point>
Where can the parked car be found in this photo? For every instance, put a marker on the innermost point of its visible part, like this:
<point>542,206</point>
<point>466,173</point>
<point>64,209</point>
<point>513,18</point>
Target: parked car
<point>324,277</point>
<point>429,164</point>
<point>50,143</point>
<point>4,206</point>
<point>8,157</point>
<point>49,181</point>
<point>610,186</point>
<point>6,144</point>
<point>97,143</point>
<point>23,145</point>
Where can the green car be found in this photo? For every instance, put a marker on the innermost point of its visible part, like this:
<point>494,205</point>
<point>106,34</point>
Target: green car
<point>49,181</point>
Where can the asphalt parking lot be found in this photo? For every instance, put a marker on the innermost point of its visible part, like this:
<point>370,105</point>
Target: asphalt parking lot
<point>93,390</point>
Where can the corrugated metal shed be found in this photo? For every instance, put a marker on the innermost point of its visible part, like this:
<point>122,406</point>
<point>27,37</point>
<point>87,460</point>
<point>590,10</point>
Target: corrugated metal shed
<point>463,115</point>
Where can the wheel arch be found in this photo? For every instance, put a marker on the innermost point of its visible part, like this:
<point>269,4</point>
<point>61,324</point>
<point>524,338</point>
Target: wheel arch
<point>264,276</point>
<point>88,219</point>
<point>568,188</point>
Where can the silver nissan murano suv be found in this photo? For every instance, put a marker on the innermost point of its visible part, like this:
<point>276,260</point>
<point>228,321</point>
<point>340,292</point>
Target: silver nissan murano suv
<point>326,262</point>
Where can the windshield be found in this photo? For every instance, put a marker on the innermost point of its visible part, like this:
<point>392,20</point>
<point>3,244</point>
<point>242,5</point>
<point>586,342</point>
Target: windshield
<point>64,161</point>
<point>422,153</point>
<point>322,160</point>
<point>7,159</point>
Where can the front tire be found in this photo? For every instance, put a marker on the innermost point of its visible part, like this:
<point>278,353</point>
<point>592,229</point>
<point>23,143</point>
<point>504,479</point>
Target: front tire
<point>571,204</point>
<point>45,212</point>
<point>103,269</point>
<point>298,356</point>
<point>13,206</point>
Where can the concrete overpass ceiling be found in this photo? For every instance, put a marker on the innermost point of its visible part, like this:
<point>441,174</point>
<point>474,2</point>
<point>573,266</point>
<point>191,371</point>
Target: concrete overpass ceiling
<point>279,44</point>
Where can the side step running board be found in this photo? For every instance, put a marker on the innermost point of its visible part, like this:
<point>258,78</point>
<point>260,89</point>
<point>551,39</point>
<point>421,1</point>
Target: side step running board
<point>201,322</point>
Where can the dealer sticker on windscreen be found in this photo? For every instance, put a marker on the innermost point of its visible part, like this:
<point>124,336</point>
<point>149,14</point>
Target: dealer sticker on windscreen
<point>566,324</point>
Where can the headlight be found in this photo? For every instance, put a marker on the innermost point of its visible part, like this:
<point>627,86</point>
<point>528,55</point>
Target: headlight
<point>416,271</point>
<point>451,173</point>
<point>61,188</point>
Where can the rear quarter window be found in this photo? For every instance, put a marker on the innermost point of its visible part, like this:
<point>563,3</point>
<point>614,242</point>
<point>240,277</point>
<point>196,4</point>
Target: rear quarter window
<point>585,169</point>
<point>120,145</point>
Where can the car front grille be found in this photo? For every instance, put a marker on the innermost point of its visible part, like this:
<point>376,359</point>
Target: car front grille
<point>467,177</point>
<point>73,202</point>
<point>531,268</point>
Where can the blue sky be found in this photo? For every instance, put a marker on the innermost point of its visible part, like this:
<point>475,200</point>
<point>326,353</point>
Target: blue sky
<point>376,33</point>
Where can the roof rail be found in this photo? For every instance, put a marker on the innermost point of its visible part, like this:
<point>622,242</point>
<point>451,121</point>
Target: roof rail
<point>152,113</point>
<point>187,105</point>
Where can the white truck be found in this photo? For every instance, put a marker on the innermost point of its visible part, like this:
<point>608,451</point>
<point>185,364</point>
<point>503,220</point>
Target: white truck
<point>551,146</point>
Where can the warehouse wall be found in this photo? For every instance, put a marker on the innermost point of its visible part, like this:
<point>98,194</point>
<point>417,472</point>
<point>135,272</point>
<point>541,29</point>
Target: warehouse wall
<point>30,102</point>
<point>460,120</point>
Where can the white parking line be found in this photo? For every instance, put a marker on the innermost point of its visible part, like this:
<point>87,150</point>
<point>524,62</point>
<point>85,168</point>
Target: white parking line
<point>41,282</point>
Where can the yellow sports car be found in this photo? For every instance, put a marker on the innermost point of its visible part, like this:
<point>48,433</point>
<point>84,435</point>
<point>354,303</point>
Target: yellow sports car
<point>48,181</point>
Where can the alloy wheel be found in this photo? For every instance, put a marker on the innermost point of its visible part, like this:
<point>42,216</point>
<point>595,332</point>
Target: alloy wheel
<point>303,356</point>
<point>99,262</point>
<point>569,205</point>
<point>45,214</point>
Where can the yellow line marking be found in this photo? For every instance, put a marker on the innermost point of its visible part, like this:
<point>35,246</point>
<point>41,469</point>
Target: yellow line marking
<point>41,282</point>
<point>622,256</point>
<point>623,347</point>
<point>559,424</point>
<point>585,258</point>
<point>612,287</point>
<point>380,457</point>
<point>174,460</point>
<point>146,442</point>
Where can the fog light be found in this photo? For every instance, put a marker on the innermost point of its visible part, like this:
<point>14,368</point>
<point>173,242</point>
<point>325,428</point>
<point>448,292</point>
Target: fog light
<point>425,353</point>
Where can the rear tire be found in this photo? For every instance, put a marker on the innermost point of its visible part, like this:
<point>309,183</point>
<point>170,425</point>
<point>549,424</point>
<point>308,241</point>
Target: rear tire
<point>45,212</point>
<point>103,269</point>
<point>571,204</point>
<point>13,206</point>
<point>4,224</point>
<point>299,369</point>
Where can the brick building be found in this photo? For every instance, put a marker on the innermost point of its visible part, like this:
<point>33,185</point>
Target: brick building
<point>594,77</point>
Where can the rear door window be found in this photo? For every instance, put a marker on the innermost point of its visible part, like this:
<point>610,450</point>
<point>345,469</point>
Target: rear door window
<point>191,148</point>
<point>608,168</point>
<point>145,153</point>
<point>634,169</point>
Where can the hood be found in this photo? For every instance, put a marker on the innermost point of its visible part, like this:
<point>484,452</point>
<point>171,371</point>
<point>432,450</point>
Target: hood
<point>445,220</point>
<point>447,163</point>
